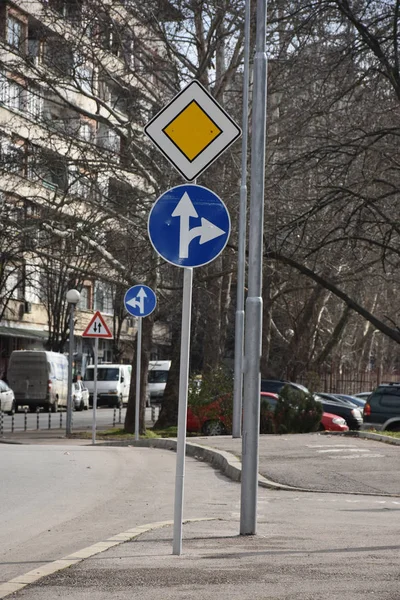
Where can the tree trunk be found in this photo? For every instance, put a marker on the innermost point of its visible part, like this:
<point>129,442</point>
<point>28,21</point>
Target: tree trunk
<point>129,426</point>
<point>168,416</point>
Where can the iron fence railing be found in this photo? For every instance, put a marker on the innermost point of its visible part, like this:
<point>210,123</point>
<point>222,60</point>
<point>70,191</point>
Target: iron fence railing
<point>34,421</point>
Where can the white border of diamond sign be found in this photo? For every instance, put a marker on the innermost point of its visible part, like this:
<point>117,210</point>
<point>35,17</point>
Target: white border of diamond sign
<point>230,131</point>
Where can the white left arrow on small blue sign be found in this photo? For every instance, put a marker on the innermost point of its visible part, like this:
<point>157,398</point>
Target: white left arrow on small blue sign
<point>189,225</point>
<point>140,301</point>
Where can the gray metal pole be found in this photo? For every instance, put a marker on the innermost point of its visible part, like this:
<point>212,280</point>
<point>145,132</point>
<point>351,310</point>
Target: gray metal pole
<point>239,317</point>
<point>138,364</point>
<point>96,362</point>
<point>182,409</point>
<point>70,360</point>
<point>253,326</point>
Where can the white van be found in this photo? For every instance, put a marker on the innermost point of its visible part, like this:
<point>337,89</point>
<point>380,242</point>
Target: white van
<point>157,378</point>
<point>113,384</point>
<point>39,379</point>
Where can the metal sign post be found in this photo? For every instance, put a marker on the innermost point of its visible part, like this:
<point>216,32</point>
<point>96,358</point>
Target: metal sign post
<point>140,301</point>
<point>189,226</point>
<point>182,410</point>
<point>138,365</point>
<point>96,356</point>
<point>96,329</point>
<point>253,330</point>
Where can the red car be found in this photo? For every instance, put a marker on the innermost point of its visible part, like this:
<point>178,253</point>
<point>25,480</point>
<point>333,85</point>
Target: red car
<point>331,422</point>
<point>215,418</point>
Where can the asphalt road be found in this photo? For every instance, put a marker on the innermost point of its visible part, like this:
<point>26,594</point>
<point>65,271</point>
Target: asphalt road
<point>308,546</point>
<point>323,462</point>
<point>80,420</point>
<point>58,499</point>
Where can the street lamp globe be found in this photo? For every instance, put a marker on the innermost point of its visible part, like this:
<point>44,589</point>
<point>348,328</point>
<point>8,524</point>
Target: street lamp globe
<point>73,296</point>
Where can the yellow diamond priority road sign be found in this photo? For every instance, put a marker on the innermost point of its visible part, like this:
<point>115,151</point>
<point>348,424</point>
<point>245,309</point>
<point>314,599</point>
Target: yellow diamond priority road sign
<point>192,130</point>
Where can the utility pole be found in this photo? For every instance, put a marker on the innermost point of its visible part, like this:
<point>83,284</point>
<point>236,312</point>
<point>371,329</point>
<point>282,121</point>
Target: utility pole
<point>253,325</point>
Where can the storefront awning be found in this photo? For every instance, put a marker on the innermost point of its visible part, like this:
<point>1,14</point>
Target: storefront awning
<point>16,332</point>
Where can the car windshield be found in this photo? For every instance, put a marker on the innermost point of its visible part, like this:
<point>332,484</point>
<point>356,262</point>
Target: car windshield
<point>158,376</point>
<point>103,374</point>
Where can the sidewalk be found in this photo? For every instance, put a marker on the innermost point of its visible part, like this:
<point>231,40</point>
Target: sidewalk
<point>290,558</point>
<point>309,546</point>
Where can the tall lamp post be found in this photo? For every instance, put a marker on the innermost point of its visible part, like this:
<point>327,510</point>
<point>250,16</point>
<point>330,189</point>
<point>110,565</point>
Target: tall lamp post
<point>73,297</point>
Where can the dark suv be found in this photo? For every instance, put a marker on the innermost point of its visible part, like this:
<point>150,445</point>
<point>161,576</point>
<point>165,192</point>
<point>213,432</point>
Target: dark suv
<point>382,409</point>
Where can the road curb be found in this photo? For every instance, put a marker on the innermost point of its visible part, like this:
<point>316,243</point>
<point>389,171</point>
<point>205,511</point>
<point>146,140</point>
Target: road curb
<point>231,466</point>
<point>18,583</point>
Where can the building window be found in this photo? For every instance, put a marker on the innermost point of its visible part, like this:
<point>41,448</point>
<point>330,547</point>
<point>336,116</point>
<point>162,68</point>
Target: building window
<point>85,132</point>
<point>17,96</point>
<point>103,298</point>
<point>35,103</point>
<point>84,301</point>
<point>12,94</point>
<point>15,30</point>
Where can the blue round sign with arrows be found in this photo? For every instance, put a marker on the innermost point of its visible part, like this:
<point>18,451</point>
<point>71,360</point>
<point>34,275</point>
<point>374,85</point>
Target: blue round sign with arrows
<point>189,226</point>
<point>140,301</point>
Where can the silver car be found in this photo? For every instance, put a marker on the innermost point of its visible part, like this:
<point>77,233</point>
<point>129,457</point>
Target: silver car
<point>80,396</point>
<point>7,399</point>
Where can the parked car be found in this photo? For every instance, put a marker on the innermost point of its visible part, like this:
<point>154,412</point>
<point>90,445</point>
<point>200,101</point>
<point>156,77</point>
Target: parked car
<point>353,399</point>
<point>39,379</point>
<point>274,386</point>
<point>363,395</point>
<point>214,418</point>
<point>113,384</point>
<point>342,408</point>
<point>382,409</point>
<point>7,399</point>
<point>157,379</point>
<point>331,422</point>
<point>80,396</point>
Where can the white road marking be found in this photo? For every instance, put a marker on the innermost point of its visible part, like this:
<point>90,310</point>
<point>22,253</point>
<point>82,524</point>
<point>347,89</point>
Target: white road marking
<point>343,450</point>
<point>354,456</point>
<point>331,446</point>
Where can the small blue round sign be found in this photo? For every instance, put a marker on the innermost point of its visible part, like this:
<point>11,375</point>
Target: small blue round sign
<point>189,226</point>
<point>140,301</point>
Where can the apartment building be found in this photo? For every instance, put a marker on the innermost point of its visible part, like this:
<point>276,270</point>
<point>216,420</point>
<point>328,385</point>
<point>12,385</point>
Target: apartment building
<point>78,79</point>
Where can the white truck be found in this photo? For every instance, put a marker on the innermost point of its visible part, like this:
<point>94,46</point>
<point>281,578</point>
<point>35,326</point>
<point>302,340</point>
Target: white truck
<point>113,384</point>
<point>157,379</point>
<point>39,379</point>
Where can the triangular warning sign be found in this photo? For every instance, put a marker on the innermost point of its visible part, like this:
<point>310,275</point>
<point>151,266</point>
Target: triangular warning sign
<point>97,328</point>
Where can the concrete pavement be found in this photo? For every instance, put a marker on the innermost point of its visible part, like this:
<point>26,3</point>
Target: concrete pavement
<point>305,549</point>
<point>308,546</point>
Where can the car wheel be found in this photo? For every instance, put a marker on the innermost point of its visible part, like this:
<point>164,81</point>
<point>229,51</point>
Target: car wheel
<point>213,428</point>
<point>86,406</point>
<point>54,407</point>
<point>81,406</point>
<point>393,428</point>
<point>13,409</point>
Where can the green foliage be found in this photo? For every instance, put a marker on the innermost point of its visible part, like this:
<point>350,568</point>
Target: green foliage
<point>267,417</point>
<point>212,395</point>
<point>296,412</point>
<point>203,390</point>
